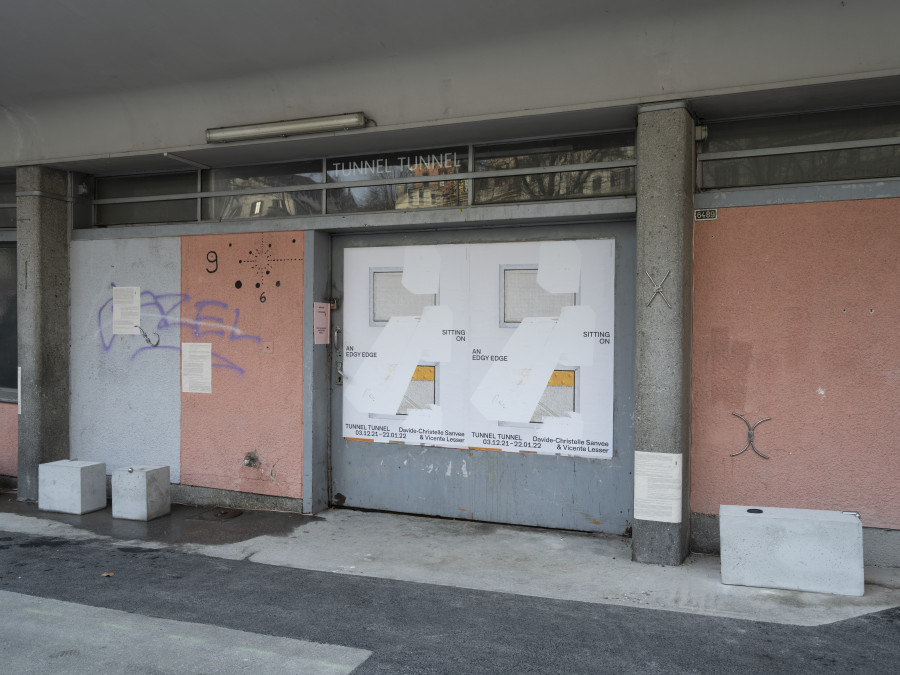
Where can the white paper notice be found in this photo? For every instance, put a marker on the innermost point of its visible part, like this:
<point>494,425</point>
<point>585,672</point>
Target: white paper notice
<point>657,486</point>
<point>126,310</point>
<point>196,367</point>
<point>321,322</point>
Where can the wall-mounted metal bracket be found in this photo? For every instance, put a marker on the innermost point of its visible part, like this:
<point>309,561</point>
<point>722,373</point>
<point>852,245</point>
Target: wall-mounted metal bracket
<point>658,289</point>
<point>750,431</point>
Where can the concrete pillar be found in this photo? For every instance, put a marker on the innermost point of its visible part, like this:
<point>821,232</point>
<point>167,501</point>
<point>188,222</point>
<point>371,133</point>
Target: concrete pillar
<point>665,156</point>
<point>316,375</point>
<point>43,321</point>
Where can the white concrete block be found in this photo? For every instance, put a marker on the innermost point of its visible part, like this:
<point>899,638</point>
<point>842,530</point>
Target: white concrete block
<point>795,549</point>
<point>72,486</point>
<point>140,492</point>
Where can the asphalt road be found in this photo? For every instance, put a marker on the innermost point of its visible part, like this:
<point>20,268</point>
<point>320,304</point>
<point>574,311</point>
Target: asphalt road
<point>407,627</point>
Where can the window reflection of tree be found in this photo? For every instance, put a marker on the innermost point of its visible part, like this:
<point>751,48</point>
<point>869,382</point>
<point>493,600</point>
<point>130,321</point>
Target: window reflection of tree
<point>380,198</point>
<point>369,198</point>
<point>266,205</point>
<point>341,201</point>
<point>399,196</point>
<point>555,185</point>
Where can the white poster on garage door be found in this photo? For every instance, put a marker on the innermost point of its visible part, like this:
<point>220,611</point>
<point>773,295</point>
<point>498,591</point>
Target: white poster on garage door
<point>504,346</point>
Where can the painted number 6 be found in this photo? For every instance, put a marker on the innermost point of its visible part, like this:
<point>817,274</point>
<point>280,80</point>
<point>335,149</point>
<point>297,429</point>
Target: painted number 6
<point>262,296</point>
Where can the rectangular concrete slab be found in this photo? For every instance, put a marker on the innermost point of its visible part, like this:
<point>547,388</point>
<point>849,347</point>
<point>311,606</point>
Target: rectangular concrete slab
<point>140,492</point>
<point>72,486</point>
<point>794,549</point>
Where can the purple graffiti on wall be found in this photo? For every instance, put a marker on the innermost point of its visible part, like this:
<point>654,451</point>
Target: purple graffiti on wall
<point>204,322</point>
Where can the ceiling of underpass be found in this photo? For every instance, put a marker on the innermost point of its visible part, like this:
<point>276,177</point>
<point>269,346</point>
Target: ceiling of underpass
<point>59,48</point>
<point>125,58</point>
<point>109,85</point>
<point>54,49</point>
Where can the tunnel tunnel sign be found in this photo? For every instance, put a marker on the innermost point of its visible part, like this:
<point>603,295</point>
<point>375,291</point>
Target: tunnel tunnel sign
<point>505,346</point>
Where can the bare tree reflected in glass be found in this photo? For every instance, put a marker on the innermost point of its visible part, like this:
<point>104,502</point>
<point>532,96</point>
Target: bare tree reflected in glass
<point>555,154</point>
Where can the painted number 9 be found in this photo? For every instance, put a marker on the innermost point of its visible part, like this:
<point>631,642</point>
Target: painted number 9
<point>213,259</point>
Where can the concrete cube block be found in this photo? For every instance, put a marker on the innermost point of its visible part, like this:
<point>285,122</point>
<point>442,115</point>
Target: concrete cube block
<point>72,486</point>
<point>795,549</point>
<point>140,492</point>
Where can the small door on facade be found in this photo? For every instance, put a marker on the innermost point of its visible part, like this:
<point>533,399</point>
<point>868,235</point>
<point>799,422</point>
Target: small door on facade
<point>487,374</point>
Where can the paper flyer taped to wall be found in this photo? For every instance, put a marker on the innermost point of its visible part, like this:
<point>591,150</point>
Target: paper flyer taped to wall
<point>126,310</point>
<point>196,367</point>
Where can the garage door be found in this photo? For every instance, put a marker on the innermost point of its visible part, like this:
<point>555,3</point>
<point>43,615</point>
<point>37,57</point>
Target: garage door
<point>486,374</point>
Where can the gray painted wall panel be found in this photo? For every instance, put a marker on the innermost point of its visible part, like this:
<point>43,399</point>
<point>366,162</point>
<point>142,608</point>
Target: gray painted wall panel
<point>126,397</point>
<point>540,490</point>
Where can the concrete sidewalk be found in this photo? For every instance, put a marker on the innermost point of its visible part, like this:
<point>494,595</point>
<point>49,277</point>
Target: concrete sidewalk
<point>508,559</point>
<point>97,640</point>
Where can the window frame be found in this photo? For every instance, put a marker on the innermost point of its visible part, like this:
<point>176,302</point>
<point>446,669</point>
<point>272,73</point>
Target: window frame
<point>468,176</point>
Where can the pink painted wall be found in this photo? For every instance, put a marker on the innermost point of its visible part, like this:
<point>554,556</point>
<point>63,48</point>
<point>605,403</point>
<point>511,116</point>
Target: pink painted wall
<point>256,405</point>
<point>797,318</point>
<point>9,439</point>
